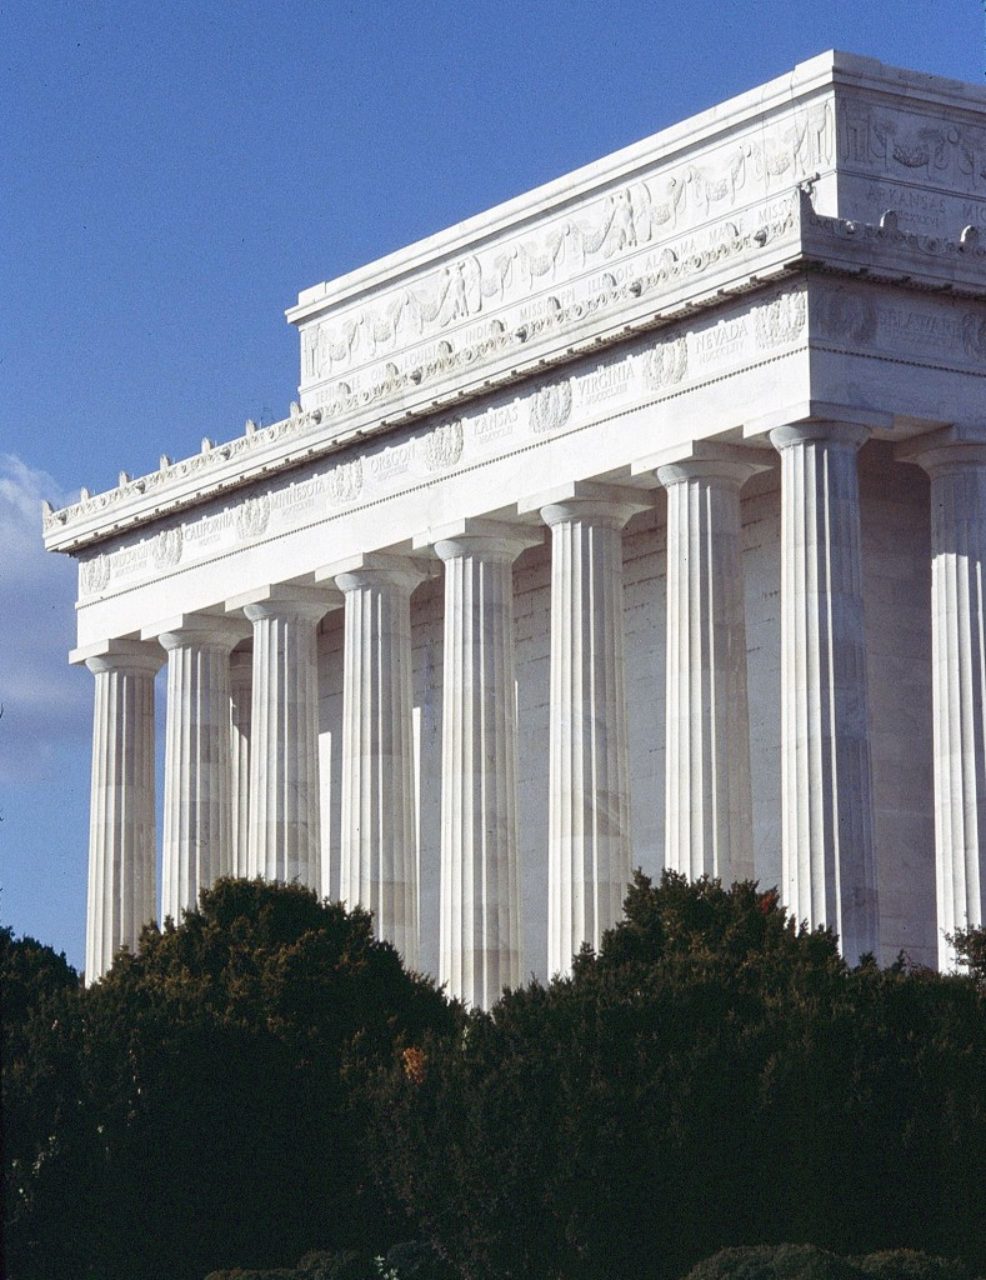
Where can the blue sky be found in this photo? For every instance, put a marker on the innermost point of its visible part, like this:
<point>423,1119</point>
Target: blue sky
<point>173,174</point>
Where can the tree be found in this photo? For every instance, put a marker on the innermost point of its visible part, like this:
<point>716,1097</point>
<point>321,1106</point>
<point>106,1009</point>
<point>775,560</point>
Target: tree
<point>806,1262</point>
<point>970,950</point>
<point>715,1076</point>
<point>40,991</point>
<point>206,1117</point>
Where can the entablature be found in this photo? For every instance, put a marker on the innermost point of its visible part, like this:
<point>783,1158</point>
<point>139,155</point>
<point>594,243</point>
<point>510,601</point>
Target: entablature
<point>801,244</point>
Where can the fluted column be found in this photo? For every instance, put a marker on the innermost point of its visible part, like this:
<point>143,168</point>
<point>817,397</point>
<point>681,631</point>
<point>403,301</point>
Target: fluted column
<point>589,844</point>
<point>378,853</point>
<point>829,873</point>
<point>240,708</point>
<point>708,804</point>
<point>197,846</point>
<point>480,940</point>
<point>122,892</point>
<point>957,468</point>
<point>284,793</point>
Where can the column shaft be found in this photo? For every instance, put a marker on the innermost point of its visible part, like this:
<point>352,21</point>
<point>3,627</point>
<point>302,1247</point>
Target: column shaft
<point>958,626</point>
<point>708,807</point>
<point>284,794</point>
<point>240,707</point>
<point>480,942</point>
<point>828,861</point>
<point>379,855</point>
<point>589,843</point>
<point>122,890</point>
<point>197,769</point>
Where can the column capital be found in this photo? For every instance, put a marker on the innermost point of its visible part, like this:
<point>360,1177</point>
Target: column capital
<point>611,504</point>
<point>214,631</point>
<point>376,568</point>
<point>119,655</point>
<point>850,435</point>
<point>817,412</point>
<point>486,539</point>
<point>960,444</point>
<point>282,599</point>
<point>704,460</point>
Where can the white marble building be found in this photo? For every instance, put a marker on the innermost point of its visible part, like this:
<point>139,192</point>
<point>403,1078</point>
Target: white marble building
<point>640,520</point>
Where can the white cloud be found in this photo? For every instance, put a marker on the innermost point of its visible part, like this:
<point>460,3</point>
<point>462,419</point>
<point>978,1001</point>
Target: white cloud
<point>45,703</point>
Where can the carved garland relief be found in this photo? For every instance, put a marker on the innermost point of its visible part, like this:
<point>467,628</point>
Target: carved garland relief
<point>615,225</point>
<point>912,144</point>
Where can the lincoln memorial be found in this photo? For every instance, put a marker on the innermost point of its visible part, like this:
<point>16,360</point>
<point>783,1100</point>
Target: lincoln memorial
<point>640,520</point>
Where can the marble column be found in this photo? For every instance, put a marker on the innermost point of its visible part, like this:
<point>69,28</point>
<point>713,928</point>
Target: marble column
<point>480,940</point>
<point>828,864</point>
<point>957,467</point>
<point>240,708</point>
<point>284,793</point>
<point>197,843</point>
<point>122,846</point>
<point>378,849</point>
<point>589,844</point>
<point>708,797</point>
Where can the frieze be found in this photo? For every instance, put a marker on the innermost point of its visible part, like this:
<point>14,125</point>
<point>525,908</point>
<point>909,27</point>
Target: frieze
<point>344,483</point>
<point>675,262</point>
<point>913,144</point>
<point>441,448</point>
<point>974,336</point>
<point>604,383</point>
<point>166,547</point>
<point>94,575</point>
<point>253,517</point>
<point>394,461</point>
<point>782,319</point>
<point>551,406</point>
<point>613,226</point>
<point>947,332</point>
<point>666,362</point>
<point>845,314</point>
<point>495,423</point>
<point>720,342</point>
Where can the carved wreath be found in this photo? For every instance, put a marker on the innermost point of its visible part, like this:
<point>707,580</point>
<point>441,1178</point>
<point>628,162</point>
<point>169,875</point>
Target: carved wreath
<point>782,319</point>
<point>95,574</point>
<point>665,364</point>
<point>442,447</point>
<point>345,482</point>
<point>166,548</point>
<point>551,407</point>
<point>252,516</point>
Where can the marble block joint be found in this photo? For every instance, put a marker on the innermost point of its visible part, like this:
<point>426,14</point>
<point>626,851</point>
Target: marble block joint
<point>592,539</point>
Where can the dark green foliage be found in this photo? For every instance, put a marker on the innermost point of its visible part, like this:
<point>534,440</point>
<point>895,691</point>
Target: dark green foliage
<point>908,1264</point>
<point>200,1110</point>
<point>775,1262</point>
<point>970,948</point>
<point>266,1079</point>
<point>409,1260</point>
<point>40,993</point>
<point>806,1262</point>
<point>714,1077</point>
